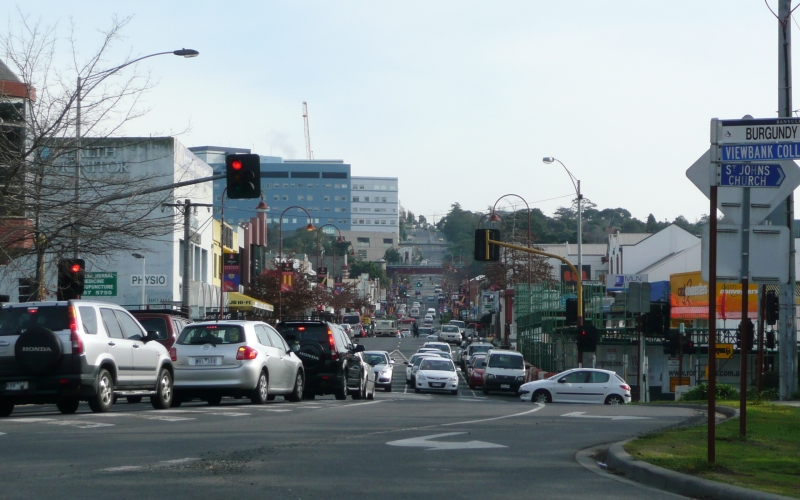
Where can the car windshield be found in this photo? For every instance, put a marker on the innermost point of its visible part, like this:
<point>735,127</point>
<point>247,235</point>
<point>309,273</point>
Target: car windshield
<point>375,359</point>
<point>441,365</point>
<point>477,359</point>
<point>16,320</point>
<point>481,348</point>
<point>457,323</point>
<point>211,334</point>
<point>512,361</point>
<point>443,348</point>
<point>449,328</point>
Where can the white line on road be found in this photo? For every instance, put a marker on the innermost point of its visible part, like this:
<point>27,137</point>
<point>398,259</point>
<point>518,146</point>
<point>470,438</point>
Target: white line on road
<point>427,442</point>
<point>51,421</point>
<point>163,463</point>
<point>582,414</point>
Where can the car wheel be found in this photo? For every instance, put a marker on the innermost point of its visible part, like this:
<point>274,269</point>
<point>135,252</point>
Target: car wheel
<point>541,397</point>
<point>297,393</point>
<point>67,406</point>
<point>614,400</point>
<point>371,395</point>
<point>162,399</point>
<point>485,391</point>
<point>104,397</point>
<point>362,391</point>
<point>341,392</point>
<point>176,401</point>
<point>6,408</point>
<point>214,400</point>
<point>388,388</point>
<point>261,392</point>
<point>134,399</point>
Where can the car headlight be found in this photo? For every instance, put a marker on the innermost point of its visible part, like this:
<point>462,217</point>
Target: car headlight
<point>454,379</point>
<point>420,376</point>
<point>520,379</point>
<point>490,376</point>
<point>385,372</point>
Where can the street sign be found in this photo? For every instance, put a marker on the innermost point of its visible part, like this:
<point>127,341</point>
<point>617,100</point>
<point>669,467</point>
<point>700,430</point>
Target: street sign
<point>100,285</point>
<point>768,255</point>
<point>704,174</point>
<point>757,175</point>
<point>762,130</point>
<point>724,351</point>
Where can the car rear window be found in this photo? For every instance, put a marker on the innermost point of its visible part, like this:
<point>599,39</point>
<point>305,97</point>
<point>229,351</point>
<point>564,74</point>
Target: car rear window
<point>351,320</point>
<point>480,348</point>
<point>450,328</point>
<point>297,333</point>
<point>505,361</point>
<point>211,334</point>
<point>16,320</point>
<point>375,359</point>
<point>155,324</point>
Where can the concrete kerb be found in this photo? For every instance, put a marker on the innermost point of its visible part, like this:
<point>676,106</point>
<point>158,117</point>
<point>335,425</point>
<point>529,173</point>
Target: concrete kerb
<point>675,482</point>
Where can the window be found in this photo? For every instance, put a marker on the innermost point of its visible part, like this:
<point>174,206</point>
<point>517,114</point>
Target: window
<point>300,197</point>
<point>576,378</point>
<point>285,186</point>
<point>110,323</point>
<point>344,198</point>
<point>274,175</point>
<point>366,199</point>
<point>326,198</point>
<point>88,319</point>
<point>299,185</point>
<point>362,254</point>
<point>310,197</point>
<point>306,175</point>
<point>211,334</point>
<point>261,334</point>
<point>276,197</point>
<point>383,199</point>
<point>285,198</point>
<point>598,378</point>
<point>355,199</point>
<point>363,242</point>
<point>334,175</point>
<point>387,241</point>
<point>383,221</point>
<point>130,328</point>
<point>276,339</point>
<point>327,209</point>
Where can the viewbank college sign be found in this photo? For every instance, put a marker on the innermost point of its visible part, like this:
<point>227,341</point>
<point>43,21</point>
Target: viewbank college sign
<point>743,140</point>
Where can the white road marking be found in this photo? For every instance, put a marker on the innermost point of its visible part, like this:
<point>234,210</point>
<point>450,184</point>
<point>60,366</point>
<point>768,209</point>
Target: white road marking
<point>143,416</point>
<point>427,442</point>
<point>179,461</point>
<point>361,404</point>
<point>124,468</point>
<point>52,421</point>
<point>3,434</point>
<point>582,414</point>
<point>163,463</point>
<point>539,407</point>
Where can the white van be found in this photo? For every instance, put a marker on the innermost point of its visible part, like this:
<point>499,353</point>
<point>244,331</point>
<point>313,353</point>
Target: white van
<point>504,371</point>
<point>414,313</point>
<point>432,312</point>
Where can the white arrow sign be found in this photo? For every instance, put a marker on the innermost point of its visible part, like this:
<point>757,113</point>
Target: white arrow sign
<point>426,442</point>
<point>582,414</point>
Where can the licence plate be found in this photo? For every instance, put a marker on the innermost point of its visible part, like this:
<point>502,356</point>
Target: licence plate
<point>505,386</point>
<point>207,361</point>
<point>16,386</point>
<point>437,384</point>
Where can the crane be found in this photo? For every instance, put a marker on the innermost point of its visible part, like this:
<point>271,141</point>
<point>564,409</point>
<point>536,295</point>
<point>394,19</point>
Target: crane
<point>309,153</point>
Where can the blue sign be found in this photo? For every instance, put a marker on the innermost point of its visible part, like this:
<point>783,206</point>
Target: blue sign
<point>758,175</point>
<point>760,152</point>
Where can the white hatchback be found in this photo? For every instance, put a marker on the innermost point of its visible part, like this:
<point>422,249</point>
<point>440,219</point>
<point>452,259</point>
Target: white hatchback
<point>436,374</point>
<point>579,385</point>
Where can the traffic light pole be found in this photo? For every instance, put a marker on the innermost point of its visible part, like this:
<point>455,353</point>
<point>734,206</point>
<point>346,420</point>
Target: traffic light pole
<point>552,256</point>
<point>762,300</point>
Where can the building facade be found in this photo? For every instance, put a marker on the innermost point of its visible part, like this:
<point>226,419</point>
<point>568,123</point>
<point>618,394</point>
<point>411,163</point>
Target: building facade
<point>375,204</point>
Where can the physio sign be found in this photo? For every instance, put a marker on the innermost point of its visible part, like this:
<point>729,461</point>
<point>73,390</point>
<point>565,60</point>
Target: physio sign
<point>149,280</point>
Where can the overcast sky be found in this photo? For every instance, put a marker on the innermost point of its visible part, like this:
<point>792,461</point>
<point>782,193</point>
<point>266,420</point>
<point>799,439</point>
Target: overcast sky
<point>459,99</point>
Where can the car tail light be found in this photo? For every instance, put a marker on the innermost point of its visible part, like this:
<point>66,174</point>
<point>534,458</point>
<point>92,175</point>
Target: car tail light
<point>246,352</point>
<point>332,342</point>
<point>173,354</point>
<point>625,387</point>
<point>77,343</point>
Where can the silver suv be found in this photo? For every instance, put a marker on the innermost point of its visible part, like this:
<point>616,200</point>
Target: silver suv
<point>69,351</point>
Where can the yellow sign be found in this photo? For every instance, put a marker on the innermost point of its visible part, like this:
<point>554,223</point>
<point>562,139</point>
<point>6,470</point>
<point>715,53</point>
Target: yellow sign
<point>724,351</point>
<point>673,382</point>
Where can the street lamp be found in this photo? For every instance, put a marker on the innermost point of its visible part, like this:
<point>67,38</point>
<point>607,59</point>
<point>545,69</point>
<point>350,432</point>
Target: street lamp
<point>82,89</point>
<point>577,184</point>
<point>309,227</point>
<point>494,218</point>
<point>140,256</point>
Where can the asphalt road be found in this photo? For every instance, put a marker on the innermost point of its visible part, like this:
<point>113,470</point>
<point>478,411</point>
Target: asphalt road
<point>401,445</point>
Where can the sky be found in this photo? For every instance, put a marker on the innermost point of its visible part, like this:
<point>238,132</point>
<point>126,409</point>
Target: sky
<point>461,99</point>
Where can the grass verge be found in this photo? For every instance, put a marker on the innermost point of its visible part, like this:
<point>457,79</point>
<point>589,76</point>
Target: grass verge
<point>767,459</point>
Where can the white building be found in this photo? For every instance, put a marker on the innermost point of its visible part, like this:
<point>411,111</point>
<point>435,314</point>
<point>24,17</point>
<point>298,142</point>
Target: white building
<point>375,204</point>
<point>669,251</point>
<point>120,277</point>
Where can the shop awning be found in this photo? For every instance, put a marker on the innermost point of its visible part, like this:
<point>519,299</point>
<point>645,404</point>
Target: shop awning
<point>241,302</point>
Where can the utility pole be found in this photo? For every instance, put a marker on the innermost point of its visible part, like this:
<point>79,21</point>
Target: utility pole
<point>186,207</point>
<point>787,349</point>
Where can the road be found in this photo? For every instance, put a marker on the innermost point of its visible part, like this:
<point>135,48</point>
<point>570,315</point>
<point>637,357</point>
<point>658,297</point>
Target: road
<point>431,243</point>
<point>401,445</point>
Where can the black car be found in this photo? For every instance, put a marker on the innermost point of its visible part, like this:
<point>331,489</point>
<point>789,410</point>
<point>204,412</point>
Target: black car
<point>331,362</point>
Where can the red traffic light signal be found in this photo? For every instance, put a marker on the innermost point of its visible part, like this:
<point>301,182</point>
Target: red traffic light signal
<point>236,165</point>
<point>76,268</point>
<point>243,176</point>
<point>70,278</point>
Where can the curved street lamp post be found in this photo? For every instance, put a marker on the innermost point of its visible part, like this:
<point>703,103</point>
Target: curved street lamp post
<point>82,89</point>
<point>309,227</point>
<point>495,218</point>
<point>576,183</point>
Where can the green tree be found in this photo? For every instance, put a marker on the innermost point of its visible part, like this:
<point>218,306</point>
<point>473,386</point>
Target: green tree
<point>392,256</point>
<point>374,270</point>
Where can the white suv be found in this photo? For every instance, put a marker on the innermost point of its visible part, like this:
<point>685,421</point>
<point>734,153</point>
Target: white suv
<point>71,351</point>
<point>450,333</point>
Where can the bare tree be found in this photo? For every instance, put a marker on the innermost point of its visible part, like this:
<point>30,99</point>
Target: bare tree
<point>50,208</point>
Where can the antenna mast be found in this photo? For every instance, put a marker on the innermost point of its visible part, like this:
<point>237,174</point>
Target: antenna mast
<point>309,153</point>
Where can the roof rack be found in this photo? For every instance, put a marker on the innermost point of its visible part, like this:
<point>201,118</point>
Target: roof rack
<point>158,308</point>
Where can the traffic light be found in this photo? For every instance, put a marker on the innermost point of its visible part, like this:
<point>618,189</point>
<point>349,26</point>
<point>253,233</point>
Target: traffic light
<point>770,340</point>
<point>672,343</point>
<point>687,345</point>
<point>587,338</point>
<point>772,307</point>
<point>485,252</point>
<point>243,175</point>
<point>572,311</point>
<point>658,319</point>
<point>71,273</point>
<point>744,335</point>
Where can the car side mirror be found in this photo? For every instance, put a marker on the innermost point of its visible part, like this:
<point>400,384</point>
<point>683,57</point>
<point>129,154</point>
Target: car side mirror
<point>150,335</point>
<point>483,364</point>
<point>391,361</point>
<point>562,381</point>
<point>359,348</point>
<point>405,362</point>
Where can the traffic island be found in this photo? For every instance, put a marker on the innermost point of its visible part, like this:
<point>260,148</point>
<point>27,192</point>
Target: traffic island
<point>764,464</point>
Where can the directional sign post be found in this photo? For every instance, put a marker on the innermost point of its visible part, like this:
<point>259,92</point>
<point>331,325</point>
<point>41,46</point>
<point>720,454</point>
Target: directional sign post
<point>767,175</point>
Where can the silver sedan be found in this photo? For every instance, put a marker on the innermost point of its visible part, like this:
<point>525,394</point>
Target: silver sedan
<point>383,366</point>
<point>235,358</point>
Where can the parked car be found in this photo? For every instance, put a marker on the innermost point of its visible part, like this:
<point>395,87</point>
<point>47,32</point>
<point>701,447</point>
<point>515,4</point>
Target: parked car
<point>436,374</point>
<point>450,333</point>
<point>323,348</point>
<point>79,350</point>
<point>168,324</point>
<point>425,331</point>
<point>579,385</point>
<point>473,349</point>
<point>475,371</point>
<point>354,320</point>
<point>383,366</point>
<point>360,377</point>
<point>235,358</point>
<point>442,346</point>
<point>475,362</point>
<point>504,371</point>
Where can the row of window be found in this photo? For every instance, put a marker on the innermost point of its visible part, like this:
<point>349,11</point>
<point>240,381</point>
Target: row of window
<point>273,174</point>
<point>370,199</point>
<point>286,185</point>
<point>367,209</point>
<point>375,187</point>
<point>307,197</point>
<point>382,222</point>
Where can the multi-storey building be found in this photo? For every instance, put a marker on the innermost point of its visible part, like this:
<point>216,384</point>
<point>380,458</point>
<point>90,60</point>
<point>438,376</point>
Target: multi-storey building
<point>375,204</point>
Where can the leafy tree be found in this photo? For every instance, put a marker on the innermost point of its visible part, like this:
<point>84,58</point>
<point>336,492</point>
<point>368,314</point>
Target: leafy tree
<point>392,256</point>
<point>422,219</point>
<point>374,270</point>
